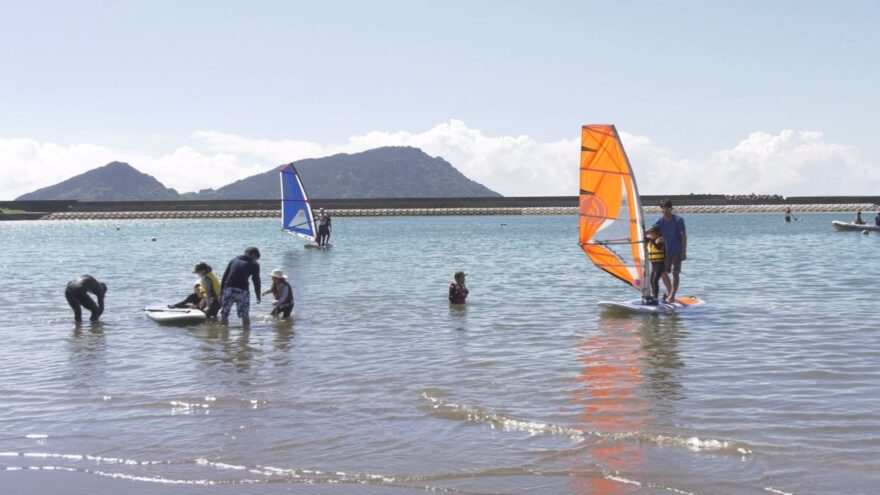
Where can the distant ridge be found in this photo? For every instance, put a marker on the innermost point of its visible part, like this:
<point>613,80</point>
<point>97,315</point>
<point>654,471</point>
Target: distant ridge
<point>116,181</point>
<point>389,172</point>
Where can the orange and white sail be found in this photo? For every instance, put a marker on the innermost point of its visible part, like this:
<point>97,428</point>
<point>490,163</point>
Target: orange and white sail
<point>612,228</point>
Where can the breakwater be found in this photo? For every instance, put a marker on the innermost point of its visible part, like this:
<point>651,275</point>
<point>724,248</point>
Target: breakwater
<point>544,205</point>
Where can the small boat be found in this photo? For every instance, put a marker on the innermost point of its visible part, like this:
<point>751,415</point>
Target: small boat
<point>858,227</point>
<point>612,224</point>
<point>296,209</point>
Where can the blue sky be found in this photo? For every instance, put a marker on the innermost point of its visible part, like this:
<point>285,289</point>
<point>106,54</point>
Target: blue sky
<point>237,87</point>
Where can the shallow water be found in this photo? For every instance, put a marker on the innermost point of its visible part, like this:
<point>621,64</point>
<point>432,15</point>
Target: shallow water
<point>379,386</point>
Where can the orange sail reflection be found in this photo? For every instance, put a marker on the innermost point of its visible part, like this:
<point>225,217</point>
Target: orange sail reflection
<point>610,394</point>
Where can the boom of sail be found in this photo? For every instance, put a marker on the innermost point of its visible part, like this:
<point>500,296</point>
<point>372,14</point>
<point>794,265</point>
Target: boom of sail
<point>296,210</point>
<point>612,228</point>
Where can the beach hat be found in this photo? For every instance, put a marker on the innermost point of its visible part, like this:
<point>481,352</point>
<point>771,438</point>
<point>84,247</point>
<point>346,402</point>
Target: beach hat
<point>278,273</point>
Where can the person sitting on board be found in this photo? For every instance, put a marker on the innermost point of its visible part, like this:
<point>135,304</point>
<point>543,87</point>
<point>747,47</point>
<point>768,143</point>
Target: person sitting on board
<point>674,235</point>
<point>283,293</point>
<point>323,227</point>
<point>458,291</point>
<point>858,220</point>
<point>77,295</point>
<point>657,258</point>
<point>192,301</point>
<point>210,288</point>
<point>235,288</point>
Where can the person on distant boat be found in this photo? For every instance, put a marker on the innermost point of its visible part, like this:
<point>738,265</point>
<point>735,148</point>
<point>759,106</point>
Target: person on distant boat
<point>192,301</point>
<point>235,287</point>
<point>210,288</point>
<point>674,235</point>
<point>788,215</point>
<point>858,220</point>
<point>77,295</point>
<point>283,293</point>
<point>657,258</point>
<point>323,227</point>
<point>458,291</point>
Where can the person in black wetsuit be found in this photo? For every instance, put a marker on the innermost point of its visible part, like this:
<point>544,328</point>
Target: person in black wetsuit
<point>77,294</point>
<point>235,286</point>
<point>192,301</point>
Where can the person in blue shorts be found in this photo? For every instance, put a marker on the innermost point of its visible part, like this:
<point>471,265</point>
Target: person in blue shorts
<point>235,287</point>
<point>674,235</point>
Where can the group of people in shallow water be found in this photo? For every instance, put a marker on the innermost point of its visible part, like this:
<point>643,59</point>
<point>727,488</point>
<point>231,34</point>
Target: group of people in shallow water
<point>213,295</point>
<point>667,249</point>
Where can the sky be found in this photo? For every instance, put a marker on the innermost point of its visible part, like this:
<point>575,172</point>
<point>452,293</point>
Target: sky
<point>765,97</point>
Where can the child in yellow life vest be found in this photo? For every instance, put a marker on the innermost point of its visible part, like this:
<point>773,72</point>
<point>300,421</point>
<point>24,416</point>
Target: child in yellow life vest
<point>657,257</point>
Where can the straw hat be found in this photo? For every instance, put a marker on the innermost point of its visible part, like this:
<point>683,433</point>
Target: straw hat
<point>277,273</point>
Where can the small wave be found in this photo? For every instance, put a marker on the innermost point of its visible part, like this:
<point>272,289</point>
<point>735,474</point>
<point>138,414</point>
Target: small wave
<point>775,491</point>
<point>37,436</point>
<point>460,412</point>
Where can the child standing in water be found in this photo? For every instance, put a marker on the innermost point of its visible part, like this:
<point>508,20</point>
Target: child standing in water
<point>458,292</point>
<point>657,257</point>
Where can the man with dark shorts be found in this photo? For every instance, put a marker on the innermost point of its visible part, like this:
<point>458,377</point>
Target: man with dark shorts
<point>235,287</point>
<point>323,228</point>
<point>77,295</point>
<point>675,239</point>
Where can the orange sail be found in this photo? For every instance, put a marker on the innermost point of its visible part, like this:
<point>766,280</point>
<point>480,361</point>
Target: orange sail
<point>612,229</point>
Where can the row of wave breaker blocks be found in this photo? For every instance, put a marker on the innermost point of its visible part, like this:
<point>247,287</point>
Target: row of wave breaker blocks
<point>374,212</point>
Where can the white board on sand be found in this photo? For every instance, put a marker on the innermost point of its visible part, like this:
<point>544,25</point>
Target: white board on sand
<point>169,315</point>
<point>637,306</point>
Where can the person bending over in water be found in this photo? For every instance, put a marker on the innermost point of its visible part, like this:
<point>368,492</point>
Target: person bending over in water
<point>192,301</point>
<point>77,294</point>
<point>283,293</point>
<point>458,291</point>
<point>236,289</point>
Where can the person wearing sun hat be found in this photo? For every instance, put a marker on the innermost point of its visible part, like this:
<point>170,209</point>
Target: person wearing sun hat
<point>283,293</point>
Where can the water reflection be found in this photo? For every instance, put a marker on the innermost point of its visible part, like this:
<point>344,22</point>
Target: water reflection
<point>87,355</point>
<point>612,402</point>
<point>660,338</point>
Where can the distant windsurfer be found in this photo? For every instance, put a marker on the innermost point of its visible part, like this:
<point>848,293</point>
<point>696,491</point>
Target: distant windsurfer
<point>458,291</point>
<point>77,294</point>
<point>674,235</point>
<point>323,227</point>
<point>235,287</point>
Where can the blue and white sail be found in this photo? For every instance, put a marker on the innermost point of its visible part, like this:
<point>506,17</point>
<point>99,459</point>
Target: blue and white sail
<point>296,211</point>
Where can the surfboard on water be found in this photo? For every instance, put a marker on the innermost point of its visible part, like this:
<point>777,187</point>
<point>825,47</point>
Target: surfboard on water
<point>838,225</point>
<point>296,209</point>
<point>175,315</point>
<point>315,246</point>
<point>638,306</point>
<point>612,224</point>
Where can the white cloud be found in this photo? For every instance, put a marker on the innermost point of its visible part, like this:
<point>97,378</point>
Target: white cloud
<point>789,163</point>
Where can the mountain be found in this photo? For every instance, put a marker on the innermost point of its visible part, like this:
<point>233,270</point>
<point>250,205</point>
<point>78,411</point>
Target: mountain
<point>389,172</point>
<point>115,181</point>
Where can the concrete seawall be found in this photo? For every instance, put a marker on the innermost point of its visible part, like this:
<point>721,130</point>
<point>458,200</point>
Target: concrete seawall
<point>372,212</point>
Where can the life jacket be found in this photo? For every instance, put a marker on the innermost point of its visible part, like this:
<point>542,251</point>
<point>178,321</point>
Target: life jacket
<point>276,292</point>
<point>656,253</point>
<point>457,293</point>
<point>215,284</point>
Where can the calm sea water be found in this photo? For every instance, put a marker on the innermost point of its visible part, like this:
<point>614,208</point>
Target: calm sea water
<point>379,386</point>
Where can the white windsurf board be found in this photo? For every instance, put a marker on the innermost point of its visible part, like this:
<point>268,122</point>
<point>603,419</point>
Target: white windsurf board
<point>175,315</point>
<point>637,306</point>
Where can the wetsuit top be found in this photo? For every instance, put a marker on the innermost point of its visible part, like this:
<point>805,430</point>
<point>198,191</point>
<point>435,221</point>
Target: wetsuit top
<point>656,252</point>
<point>671,231</point>
<point>283,294</point>
<point>324,221</point>
<point>210,286</point>
<point>237,273</point>
<point>88,283</point>
<point>457,293</point>
<point>190,299</point>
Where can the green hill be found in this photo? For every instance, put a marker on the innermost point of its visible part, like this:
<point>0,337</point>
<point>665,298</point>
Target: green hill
<point>115,181</point>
